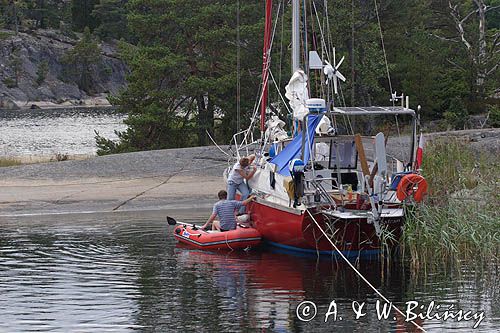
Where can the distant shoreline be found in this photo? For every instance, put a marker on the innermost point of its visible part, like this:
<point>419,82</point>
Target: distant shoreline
<point>86,103</point>
<point>64,107</point>
<point>480,140</point>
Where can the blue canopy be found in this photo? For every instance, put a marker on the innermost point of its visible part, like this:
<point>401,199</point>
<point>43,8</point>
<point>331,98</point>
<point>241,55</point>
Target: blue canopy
<point>293,149</point>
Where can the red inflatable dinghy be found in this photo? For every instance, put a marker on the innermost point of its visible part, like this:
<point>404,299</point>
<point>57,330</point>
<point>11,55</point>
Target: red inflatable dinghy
<point>215,240</point>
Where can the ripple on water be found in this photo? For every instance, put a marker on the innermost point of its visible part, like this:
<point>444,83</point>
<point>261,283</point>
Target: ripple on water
<point>56,131</point>
<point>124,272</point>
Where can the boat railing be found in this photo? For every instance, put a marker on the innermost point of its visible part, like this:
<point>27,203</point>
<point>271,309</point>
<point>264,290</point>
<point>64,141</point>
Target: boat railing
<point>319,193</point>
<point>246,142</point>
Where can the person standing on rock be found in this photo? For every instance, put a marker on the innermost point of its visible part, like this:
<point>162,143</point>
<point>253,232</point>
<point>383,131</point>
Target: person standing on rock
<point>241,171</point>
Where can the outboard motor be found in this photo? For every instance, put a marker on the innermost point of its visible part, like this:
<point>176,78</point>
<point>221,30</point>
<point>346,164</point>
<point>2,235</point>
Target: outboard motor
<point>296,168</point>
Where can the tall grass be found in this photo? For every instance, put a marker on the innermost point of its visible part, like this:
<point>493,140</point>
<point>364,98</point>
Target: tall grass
<point>460,220</point>
<point>7,161</point>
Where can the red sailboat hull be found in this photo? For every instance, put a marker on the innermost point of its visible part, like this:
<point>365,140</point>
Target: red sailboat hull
<point>289,229</point>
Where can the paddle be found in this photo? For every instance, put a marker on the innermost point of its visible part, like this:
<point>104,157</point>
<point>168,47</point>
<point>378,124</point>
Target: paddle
<point>172,221</point>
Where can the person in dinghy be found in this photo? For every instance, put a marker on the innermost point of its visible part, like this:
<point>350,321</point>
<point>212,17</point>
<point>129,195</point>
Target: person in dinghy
<point>241,171</point>
<point>226,211</point>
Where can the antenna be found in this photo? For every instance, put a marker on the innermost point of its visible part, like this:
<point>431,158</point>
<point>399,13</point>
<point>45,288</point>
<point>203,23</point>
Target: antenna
<point>395,97</point>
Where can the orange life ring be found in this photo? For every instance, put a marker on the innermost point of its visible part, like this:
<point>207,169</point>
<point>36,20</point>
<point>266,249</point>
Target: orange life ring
<point>406,187</point>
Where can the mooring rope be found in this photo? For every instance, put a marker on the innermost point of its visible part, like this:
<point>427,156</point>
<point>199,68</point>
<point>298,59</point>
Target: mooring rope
<point>361,275</point>
<point>383,49</point>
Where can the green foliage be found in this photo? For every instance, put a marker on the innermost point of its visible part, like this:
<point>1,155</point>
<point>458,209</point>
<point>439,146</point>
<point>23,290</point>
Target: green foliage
<point>81,59</point>
<point>45,13</point>
<point>5,35</point>
<point>16,64</point>
<point>10,82</point>
<point>112,15</point>
<point>42,71</point>
<point>81,13</point>
<point>494,119</point>
<point>461,220</point>
<point>183,70</point>
<point>11,14</point>
<point>450,166</point>
<point>456,116</point>
<point>8,161</point>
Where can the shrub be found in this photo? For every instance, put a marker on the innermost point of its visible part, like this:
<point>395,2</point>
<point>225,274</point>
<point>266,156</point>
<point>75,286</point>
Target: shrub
<point>494,119</point>
<point>456,116</point>
<point>10,82</point>
<point>42,71</point>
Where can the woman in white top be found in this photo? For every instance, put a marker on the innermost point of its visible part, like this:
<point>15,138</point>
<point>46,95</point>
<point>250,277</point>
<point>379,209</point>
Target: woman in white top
<point>241,171</point>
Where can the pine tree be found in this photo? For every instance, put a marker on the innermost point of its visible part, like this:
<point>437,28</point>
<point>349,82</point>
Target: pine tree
<point>81,13</point>
<point>183,70</point>
<point>112,15</point>
<point>81,58</point>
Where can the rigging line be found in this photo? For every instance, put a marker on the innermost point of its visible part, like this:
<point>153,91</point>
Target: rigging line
<point>279,92</point>
<point>342,95</point>
<point>281,43</point>
<point>314,45</point>
<point>348,123</point>
<point>348,118</point>
<point>383,49</point>
<point>401,151</point>
<point>359,273</point>
<point>238,65</point>
<point>328,29</point>
<point>353,56</point>
<point>261,94</point>
<point>215,143</point>
<point>306,55</point>
<point>323,42</point>
<point>324,50</point>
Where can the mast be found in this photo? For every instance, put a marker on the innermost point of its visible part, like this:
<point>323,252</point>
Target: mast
<point>295,35</point>
<point>266,62</point>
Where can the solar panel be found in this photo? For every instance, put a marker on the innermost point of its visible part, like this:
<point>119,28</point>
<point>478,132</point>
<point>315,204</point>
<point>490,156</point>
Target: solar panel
<point>373,110</point>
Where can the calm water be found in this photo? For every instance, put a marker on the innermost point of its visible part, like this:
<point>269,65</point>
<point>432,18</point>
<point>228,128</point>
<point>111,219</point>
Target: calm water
<point>49,132</point>
<point>124,272</point>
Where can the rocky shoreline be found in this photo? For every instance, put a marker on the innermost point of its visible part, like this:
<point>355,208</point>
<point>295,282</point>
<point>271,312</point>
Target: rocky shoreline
<point>34,75</point>
<point>93,102</point>
<point>150,180</point>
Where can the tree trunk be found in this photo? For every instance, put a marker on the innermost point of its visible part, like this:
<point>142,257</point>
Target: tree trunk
<point>481,57</point>
<point>14,13</point>
<point>205,119</point>
<point>41,14</point>
<point>353,72</point>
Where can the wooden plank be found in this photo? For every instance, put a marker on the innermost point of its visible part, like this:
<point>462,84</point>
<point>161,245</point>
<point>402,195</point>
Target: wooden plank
<point>361,154</point>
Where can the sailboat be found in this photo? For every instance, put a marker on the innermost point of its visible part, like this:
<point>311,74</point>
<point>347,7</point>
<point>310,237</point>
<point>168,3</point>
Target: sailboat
<point>325,189</point>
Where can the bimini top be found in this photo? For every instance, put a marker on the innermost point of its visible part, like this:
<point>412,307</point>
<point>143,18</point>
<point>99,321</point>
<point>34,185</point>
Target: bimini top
<point>372,110</point>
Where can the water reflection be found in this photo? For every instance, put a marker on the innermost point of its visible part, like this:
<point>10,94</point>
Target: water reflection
<point>124,272</point>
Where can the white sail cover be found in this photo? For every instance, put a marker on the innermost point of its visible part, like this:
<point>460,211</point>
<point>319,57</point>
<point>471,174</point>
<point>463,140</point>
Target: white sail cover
<point>297,94</point>
<point>324,126</point>
<point>275,131</point>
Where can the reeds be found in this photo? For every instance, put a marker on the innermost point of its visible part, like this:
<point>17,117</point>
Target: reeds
<point>7,161</point>
<point>460,219</point>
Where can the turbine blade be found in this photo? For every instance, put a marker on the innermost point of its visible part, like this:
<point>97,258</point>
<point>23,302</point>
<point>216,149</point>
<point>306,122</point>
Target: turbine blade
<point>340,63</point>
<point>340,76</point>
<point>335,85</point>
